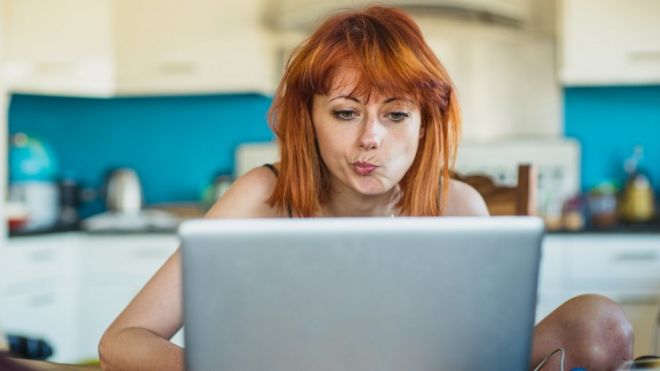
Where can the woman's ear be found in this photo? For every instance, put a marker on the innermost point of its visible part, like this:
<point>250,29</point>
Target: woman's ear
<point>422,132</point>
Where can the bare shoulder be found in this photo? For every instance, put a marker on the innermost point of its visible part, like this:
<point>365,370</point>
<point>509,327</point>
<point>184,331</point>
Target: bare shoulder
<point>464,200</point>
<point>248,197</point>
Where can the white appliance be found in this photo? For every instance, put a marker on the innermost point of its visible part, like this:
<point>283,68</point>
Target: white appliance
<point>41,199</point>
<point>557,162</point>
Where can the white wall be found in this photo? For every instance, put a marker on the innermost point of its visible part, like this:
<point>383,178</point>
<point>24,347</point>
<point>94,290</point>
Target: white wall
<point>3,164</point>
<point>3,135</point>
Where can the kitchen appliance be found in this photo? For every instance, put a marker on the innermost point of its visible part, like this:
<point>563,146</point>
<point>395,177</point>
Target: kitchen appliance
<point>33,170</point>
<point>123,192</point>
<point>70,199</point>
<point>40,199</point>
<point>124,199</point>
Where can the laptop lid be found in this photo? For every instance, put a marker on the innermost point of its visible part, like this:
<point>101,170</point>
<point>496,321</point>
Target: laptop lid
<point>360,293</point>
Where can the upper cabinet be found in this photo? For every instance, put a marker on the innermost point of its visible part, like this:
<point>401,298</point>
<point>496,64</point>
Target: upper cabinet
<point>127,47</point>
<point>609,42</point>
<point>505,77</point>
<point>289,14</point>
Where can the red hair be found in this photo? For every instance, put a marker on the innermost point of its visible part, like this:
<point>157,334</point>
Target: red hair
<point>387,50</point>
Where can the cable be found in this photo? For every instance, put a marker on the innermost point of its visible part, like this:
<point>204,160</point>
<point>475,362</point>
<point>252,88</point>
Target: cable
<point>561,361</point>
<point>656,337</point>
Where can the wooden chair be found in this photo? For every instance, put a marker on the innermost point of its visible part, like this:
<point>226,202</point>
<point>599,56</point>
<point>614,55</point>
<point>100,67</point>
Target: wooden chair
<point>502,200</point>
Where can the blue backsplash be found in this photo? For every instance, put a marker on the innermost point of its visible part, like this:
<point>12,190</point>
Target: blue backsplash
<point>176,144</point>
<point>609,122</point>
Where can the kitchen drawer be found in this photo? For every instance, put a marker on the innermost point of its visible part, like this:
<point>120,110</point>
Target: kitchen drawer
<point>48,313</point>
<point>14,287</point>
<point>633,262</point>
<point>127,255</point>
<point>99,306</point>
<point>33,258</point>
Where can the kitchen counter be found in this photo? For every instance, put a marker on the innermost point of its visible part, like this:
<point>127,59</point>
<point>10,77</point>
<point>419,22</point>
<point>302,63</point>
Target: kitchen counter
<point>26,364</point>
<point>646,228</point>
<point>57,231</point>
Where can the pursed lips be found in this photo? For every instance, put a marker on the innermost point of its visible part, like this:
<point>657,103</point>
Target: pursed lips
<point>364,168</point>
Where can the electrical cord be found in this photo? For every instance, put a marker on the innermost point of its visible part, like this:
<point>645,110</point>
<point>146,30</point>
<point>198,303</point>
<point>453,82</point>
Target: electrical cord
<point>561,361</point>
<point>656,336</point>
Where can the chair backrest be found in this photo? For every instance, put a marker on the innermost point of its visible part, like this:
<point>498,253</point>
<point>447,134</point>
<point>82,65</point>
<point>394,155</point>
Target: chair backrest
<point>503,200</point>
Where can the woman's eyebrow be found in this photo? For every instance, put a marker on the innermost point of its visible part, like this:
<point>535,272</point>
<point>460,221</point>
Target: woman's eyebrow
<point>388,100</point>
<point>346,97</point>
<point>393,99</point>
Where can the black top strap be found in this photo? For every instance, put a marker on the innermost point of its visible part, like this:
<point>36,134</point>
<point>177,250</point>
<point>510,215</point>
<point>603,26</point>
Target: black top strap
<point>273,169</point>
<point>277,173</point>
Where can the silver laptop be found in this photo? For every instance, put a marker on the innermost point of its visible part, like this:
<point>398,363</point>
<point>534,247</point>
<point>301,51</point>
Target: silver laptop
<point>360,294</point>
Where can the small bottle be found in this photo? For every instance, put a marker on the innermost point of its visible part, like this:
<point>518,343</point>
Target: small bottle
<point>215,190</point>
<point>637,202</point>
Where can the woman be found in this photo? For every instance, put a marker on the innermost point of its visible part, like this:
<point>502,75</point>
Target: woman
<point>368,124</point>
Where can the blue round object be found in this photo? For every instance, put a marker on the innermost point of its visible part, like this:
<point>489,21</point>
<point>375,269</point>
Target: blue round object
<point>31,159</point>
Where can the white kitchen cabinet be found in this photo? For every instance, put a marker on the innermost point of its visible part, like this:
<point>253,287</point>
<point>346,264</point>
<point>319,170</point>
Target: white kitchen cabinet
<point>504,77</point>
<point>609,42</point>
<point>125,47</point>
<point>623,267</point>
<point>67,288</point>
<point>113,269</point>
<point>37,291</point>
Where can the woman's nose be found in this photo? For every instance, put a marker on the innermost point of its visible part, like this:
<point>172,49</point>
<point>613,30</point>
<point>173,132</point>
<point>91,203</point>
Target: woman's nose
<point>370,137</point>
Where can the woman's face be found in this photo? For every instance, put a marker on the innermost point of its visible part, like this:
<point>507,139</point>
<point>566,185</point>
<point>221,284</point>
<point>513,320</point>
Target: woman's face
<point>366,145</point>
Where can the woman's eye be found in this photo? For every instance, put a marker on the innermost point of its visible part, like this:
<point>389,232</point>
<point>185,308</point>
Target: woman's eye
<point>398,116</point>
<point>345,114</point>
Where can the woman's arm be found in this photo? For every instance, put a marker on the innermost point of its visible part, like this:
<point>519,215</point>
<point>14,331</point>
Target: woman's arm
<point>139,338</point>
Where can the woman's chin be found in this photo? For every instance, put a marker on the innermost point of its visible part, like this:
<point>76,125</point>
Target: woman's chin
<point>369,187</point>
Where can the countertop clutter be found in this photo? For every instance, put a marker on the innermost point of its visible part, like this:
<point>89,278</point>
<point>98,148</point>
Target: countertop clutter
<point>158,219</point>
<point>42,201</point>
<point>608,206</point>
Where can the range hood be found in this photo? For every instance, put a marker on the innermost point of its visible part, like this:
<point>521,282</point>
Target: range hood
<point>305,14</point>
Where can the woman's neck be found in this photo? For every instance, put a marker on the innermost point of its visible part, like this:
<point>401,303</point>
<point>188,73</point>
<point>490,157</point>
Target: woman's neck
<point>345,202</point>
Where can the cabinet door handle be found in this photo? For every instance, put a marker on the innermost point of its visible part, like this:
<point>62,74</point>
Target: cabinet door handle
<point>41,300</point>
<point>41,256</point>
<point>637,256</point>
<point>53,68</point>
<point>644,56</point>
<point>178,68</point>
<point>649,299</point>
<point>149,254</point>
